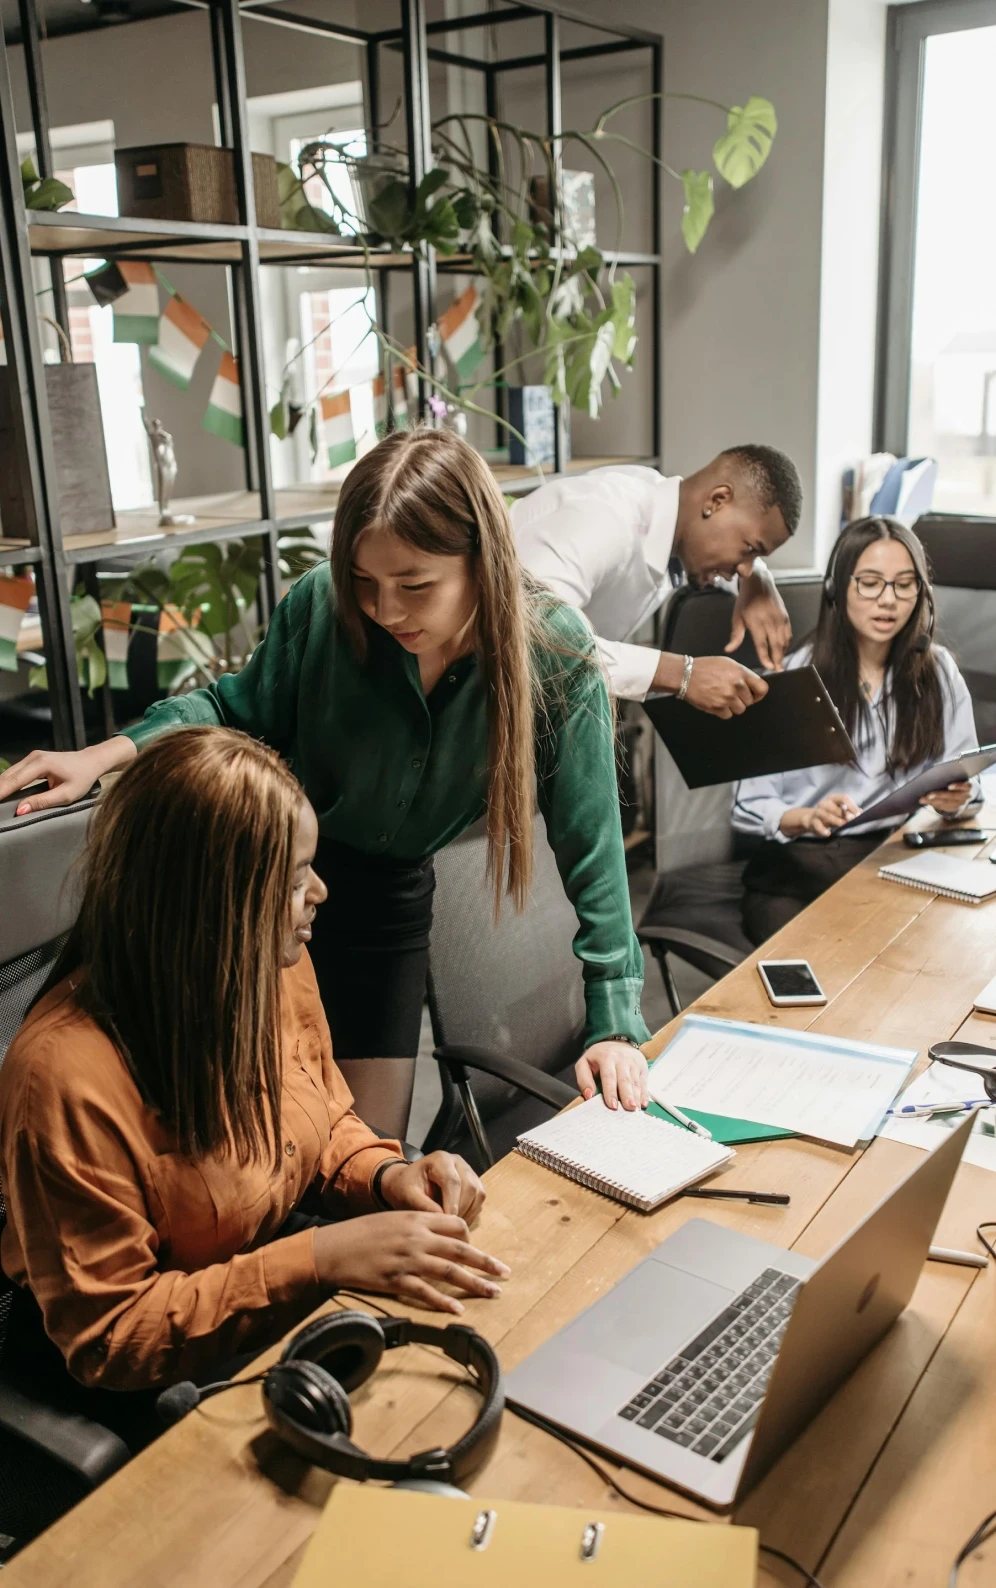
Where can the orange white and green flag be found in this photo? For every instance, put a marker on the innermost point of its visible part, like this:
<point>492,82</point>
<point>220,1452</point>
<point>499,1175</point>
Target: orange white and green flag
<point>136,311</point>
<point>116,621</point>
<point>14,597</point>
<point>379,389</point>
<point>182,335</point>
<point>337,423</point>
<point>224,410</point>
<point>460,332</point>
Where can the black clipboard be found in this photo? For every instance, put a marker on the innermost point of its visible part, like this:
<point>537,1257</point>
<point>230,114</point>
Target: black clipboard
<point>906,798</point>
<point>795,725</point>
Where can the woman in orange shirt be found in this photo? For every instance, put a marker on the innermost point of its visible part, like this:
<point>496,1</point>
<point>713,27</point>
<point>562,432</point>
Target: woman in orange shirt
<point>171,1107</point>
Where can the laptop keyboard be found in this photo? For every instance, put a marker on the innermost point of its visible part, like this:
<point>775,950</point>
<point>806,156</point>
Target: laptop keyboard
<point>708,1396</point>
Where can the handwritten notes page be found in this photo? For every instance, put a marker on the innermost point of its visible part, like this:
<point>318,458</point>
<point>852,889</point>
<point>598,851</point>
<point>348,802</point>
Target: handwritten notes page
<point>820,1086</point>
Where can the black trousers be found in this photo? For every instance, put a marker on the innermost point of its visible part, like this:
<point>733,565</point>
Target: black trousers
<point>370,950</point>
<point>781,879</point>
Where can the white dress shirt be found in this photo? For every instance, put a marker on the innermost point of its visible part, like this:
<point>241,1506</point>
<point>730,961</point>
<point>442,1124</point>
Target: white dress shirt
<point>759,803</point>
<point>602,542</point>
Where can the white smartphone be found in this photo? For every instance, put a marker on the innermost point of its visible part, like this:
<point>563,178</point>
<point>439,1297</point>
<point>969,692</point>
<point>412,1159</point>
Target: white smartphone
<point>790,981</point>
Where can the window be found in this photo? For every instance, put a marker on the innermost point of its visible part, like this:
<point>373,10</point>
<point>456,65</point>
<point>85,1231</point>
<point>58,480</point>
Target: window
<point>938,366</point>
<point>89,172</point>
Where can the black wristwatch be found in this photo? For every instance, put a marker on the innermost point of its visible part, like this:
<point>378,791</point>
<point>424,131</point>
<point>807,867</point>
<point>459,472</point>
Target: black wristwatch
<point>620,1038</point>
<point>375,1190</point>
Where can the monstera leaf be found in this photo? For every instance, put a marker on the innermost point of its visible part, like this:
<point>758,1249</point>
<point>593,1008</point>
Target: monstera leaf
<point>699,207</point>
<point>745,145</point>
<point>91,663</point>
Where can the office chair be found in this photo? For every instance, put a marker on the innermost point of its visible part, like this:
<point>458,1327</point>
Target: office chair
<point>962,557</point>
<point>50,1458</point>
<point>694,913</point>
<point>506,1001</point>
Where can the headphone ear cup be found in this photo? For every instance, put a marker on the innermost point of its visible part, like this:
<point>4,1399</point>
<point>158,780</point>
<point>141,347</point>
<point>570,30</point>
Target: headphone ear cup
<point>830,589</point>
<point>306,1394</point>
<point>349,1345</point>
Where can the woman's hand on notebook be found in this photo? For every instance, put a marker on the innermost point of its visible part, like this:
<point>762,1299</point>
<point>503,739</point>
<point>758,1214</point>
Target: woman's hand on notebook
<point>620,1068</point>
<point>949,801</point>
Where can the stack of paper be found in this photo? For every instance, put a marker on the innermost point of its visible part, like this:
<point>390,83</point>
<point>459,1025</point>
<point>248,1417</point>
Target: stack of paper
<point>940,1084</point>
<point>820,1086</point>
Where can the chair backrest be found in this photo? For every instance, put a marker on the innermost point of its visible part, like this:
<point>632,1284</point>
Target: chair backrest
<point>37,855</point>
<point>514,987</point>
<point>693,825</point>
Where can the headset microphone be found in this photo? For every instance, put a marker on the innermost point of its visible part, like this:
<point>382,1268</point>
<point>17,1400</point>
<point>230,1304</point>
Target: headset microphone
<point>174,1403</point>
<point>306,1395</point>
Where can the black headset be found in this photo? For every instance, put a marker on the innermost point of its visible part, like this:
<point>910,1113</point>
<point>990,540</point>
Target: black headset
<point>306,1395</point>
<point>924,641</point>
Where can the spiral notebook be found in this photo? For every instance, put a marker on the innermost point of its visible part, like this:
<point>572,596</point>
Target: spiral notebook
<point>971,881</point>
<point>635,1158</point>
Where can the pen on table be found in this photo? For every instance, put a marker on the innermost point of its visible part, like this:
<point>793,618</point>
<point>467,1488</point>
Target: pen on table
<point>683,1119</point>
<point>910,1110</point>
<point>946,1254</point>
<point>777,1198</point>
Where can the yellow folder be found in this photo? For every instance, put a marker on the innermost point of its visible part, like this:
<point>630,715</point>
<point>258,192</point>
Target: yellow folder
<point>397,1538</point>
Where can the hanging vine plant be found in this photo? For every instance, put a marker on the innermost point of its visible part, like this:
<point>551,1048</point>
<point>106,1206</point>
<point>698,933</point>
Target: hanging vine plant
<point>575,309</point>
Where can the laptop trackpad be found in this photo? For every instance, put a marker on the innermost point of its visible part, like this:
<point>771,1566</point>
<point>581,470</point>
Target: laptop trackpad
<point>647,1317</point>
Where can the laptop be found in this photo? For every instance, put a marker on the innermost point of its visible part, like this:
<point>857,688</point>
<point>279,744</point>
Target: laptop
<point>702,1365</point>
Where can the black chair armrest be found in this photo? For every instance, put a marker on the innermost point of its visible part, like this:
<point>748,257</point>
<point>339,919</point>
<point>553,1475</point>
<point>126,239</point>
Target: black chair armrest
<point>456,1055</point>
<point>411,1154</point>
<point>678,937</point>
<point>85,1447</point>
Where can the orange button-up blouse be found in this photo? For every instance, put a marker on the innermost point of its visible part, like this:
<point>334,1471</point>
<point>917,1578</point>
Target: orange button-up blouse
<point>150,1267</point>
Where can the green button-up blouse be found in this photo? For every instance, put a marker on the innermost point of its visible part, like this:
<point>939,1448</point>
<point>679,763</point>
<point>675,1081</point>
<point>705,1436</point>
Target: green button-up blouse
<point>391,771</point>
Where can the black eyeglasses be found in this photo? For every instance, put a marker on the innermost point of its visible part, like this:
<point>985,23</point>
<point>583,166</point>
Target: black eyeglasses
<point>871,585</point>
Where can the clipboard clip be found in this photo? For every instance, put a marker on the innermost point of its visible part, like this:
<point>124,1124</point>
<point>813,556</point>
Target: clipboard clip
<point>484,1526</point>
<point>591,1539</point>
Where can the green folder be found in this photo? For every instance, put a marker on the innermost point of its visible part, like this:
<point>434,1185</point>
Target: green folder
<point>728,1132</point>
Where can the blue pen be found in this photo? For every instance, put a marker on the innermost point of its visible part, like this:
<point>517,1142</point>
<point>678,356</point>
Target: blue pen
<point>938,1108</point>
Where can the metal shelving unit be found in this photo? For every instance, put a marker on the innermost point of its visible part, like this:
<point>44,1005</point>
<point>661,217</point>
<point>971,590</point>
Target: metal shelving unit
<point>261,510</point>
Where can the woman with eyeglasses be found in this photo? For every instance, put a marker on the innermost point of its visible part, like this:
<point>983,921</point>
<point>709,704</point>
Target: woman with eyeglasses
<point>903,702</point>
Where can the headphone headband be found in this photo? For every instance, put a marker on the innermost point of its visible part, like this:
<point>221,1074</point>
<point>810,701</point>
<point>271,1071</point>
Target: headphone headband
<point>306,1394</point>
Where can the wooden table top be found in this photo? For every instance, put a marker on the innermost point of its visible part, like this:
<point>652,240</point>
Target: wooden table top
<point>882,1488</point>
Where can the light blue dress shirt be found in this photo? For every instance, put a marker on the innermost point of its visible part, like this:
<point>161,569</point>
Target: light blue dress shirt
<point>759,803</point>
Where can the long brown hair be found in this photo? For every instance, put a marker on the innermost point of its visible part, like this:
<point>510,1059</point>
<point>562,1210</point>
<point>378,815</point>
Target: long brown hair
<point>915,701</point>
<point>433,491</point>
<point>179,941</point>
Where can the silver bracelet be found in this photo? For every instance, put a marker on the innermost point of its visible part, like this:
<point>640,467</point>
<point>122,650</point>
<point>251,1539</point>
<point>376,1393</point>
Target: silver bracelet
<point>686,677</point>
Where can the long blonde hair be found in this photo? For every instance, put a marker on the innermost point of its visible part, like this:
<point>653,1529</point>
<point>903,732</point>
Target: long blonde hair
<point>179,941</point>
<point>433,491</point>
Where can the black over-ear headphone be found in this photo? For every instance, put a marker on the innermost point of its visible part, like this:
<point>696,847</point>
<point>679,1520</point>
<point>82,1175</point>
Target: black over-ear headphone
<point>924,641</point>
<point>306,1395</point>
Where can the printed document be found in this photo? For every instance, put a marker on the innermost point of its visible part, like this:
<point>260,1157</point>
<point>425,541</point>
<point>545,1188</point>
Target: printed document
<point>822,1086</point>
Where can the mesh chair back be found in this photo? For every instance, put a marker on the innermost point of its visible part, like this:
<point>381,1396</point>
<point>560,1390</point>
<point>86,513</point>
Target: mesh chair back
<point>516,987</point>
<point>37,856</point>
<point>693,825</point>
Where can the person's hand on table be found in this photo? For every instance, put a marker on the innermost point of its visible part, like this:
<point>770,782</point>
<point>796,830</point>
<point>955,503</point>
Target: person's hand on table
<point>439,1180</point>
<point>69,773</point>
<point>949,801</point>
<point>622,1070</point>
<point>761,612</point>
<point>820,820</point>
<point>407,1255</point>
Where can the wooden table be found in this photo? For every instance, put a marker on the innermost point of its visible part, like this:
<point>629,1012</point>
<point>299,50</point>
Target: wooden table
<point>880,1491</point>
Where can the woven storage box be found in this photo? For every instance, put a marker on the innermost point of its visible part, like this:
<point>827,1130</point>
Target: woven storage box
<point>191,182</point>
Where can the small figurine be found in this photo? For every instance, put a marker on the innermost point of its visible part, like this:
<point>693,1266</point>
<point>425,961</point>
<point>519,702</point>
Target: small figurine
<point>164,471</point>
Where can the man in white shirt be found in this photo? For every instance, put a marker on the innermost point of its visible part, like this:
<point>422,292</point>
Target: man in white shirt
<point>602,542</point>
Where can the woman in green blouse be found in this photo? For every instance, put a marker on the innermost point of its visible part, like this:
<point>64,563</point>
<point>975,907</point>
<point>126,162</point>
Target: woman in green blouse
<point>420,681</point>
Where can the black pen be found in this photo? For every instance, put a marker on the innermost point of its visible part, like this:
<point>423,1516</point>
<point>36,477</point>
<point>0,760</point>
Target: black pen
<point>778,1198</point>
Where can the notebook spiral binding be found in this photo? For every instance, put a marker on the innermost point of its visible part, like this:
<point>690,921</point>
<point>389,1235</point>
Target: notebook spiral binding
<point>577,1172</point>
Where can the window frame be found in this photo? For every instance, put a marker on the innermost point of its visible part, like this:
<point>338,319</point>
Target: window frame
<point>909,28</point>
